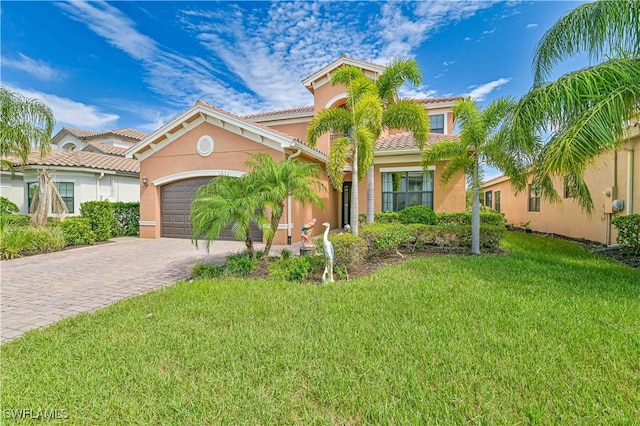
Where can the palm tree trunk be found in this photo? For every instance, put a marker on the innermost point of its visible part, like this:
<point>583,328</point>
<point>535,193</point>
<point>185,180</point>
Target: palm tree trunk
<point>275,220</point>
<point>249,243</point>
<point>355,220</point>
<point>475,211</point>
<point>370,194</point>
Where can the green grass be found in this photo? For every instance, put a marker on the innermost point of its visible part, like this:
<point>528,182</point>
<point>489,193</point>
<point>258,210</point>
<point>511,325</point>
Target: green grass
<point>548,334</point>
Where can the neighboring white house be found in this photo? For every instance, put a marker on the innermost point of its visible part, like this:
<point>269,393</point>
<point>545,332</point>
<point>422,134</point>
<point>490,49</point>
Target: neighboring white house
<point>86,166</point>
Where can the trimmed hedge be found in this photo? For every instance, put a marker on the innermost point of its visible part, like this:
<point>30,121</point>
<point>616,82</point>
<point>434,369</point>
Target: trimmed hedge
<point>77,230</point>
<point>386,217</point>
<point>392,237</point>
<point>14,219</point>
<point>100,216</point>
<point>464,218</point>
<point>126,219</point>
<point>417,214</point>
<point>628,233</point>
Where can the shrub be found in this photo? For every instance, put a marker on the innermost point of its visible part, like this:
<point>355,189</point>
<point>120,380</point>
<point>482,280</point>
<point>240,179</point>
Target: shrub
<point>349,249</point>
<point>417,214</point>
<point>14,219</point>
<point>126,221</point>
<point>101,217</point>
<point>456,236</point>
<point>464,218</point>
<point>77,230</point>
<point>384,237</point>
<point>206,271</point>
<point>241,264</point>
<point>285,253</point>
<point>628,233</point>
<point>295,268</point>
<point>386,217</point>
<point>7,207</point>
<point>17,241</point>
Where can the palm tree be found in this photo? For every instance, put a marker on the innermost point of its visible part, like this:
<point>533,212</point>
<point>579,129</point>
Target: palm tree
<point>223,201</point>
<point>279,182</point>
<point>360,120</point>
<point>46,199</point>
<point>397,113</point>
<point>384,110</point>
<point>585,111</point>
<point>23,123</point>
<point>482,140</point>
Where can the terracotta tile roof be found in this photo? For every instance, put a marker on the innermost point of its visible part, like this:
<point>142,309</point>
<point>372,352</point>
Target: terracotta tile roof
<point>281,113</point>
<point>345,56</point>
<point>438,100</point>
<point>124,132</point>
<point>84,159</point>
<point>405,140</point>
<point>101,148</point>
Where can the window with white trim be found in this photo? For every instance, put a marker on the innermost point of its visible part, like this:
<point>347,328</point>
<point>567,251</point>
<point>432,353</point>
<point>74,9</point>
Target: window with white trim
<point>65,189</point>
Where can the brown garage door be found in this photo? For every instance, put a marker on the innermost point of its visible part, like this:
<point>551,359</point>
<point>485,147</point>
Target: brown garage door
<point>175,209</point>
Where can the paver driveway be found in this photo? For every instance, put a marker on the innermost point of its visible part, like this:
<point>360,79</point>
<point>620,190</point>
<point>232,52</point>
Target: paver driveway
<point>40,290</point>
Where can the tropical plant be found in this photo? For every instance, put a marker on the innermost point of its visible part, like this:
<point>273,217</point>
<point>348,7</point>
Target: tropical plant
<point>482,140</point>
<point>276,182</point>
<point>7,206</point>
<point>586,111</point>
<point>223,201</point>
<point>370,107</point>
<point>46,200</point>
<point>24,123</point>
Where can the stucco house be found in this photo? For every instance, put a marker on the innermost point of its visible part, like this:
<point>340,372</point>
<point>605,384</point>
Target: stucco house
<point>205,141</point>
<point>85,166</point>
<point>613,180</point>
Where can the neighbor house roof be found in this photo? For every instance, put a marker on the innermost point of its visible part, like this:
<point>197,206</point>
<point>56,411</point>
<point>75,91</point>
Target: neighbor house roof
<point>83,159</point>
<point>405,140</point>
<point>125,132</point>
<point>101,148</point>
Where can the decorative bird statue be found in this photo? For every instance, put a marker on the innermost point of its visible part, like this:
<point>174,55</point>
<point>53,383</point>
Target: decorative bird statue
<point>328,255</point>
<point>306,238</point>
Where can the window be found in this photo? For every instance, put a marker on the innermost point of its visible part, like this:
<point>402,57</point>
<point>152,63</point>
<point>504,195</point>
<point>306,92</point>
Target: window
<point>436,123</point>
<point>64,188</point>
<point>497,201</point>
<point>534,198</point>
<point>404,189</point>
<point>488,199</point>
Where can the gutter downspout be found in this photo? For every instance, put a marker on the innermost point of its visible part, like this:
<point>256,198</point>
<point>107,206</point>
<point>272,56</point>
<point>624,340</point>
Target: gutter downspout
<point>630,173</point>
<point>291,157</point>
<point>98,186</point>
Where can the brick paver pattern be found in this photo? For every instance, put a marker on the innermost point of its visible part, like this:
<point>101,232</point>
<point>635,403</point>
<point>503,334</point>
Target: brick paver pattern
<point>37,291</point>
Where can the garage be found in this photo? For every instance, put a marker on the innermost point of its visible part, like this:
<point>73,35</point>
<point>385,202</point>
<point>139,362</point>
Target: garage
<point>175,209</point>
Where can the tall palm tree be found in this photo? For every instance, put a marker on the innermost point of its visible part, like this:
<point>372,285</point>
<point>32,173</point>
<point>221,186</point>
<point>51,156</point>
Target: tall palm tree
<point>360,121</point>
<point>585,111</point>
<point>483,140</point>
<point>24,123</point>
<point>406,114</point>
<point>279,182</point>
<point>223,201</point>
<point>390,112</point>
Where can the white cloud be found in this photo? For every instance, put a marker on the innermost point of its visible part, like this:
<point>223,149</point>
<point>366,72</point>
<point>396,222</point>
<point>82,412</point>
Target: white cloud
<point>479,93</point>
<point>532,25</point>
<point>39,69</point>
<point>447,63</point>
<point>72,113</point>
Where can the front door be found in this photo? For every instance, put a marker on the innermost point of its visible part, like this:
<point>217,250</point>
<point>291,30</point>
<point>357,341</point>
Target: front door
<point>346,203</point>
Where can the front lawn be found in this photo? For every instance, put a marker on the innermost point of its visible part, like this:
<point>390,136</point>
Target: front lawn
<point>547,334</point>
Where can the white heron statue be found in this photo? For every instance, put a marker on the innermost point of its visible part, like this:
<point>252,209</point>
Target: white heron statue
<point>328,255</point>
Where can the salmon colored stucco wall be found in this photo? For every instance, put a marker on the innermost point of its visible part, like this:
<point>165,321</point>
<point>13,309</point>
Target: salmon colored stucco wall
<point>322,96</point>
<point>230,153</point>
<point>297,130</point>
<point>568,218</point>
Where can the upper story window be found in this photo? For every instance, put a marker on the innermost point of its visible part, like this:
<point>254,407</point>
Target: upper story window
<point>436,123</point>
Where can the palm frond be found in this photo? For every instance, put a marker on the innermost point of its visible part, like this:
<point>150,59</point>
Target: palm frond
<point>346,74</point>
<point>444,150</point>
<point>410,115</point>
<point>338,120</point>
<point>599,28</point>
<point>397,73</point>
<point>337,159</point>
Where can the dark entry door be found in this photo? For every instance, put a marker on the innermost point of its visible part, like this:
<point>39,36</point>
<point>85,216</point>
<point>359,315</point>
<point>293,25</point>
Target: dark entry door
<point>346,203</point>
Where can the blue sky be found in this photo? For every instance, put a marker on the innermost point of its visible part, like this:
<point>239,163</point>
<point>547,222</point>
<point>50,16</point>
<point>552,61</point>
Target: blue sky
<point>107,65</point>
